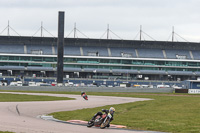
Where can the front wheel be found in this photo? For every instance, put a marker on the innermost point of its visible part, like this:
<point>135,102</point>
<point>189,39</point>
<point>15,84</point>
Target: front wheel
<point>105,124</point>
<point>90,123</point>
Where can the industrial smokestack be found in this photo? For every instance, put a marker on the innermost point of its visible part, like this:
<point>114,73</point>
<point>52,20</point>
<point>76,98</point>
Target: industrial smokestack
<point>60,49</point>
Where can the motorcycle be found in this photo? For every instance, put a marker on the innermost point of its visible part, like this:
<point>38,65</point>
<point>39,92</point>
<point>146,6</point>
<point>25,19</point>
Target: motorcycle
<point>83,94</point>
<point>85,97</point>
<point>101,121</point>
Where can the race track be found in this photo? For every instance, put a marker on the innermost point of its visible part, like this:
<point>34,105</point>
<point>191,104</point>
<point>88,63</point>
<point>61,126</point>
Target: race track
<point>22,117</point>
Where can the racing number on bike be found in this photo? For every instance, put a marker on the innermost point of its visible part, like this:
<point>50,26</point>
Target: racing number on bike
<point>109,115</point>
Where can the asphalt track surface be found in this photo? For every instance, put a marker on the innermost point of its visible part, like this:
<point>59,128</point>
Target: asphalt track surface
<point>22,117</point>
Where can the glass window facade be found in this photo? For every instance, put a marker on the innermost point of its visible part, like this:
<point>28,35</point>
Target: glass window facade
<point>99,63</point>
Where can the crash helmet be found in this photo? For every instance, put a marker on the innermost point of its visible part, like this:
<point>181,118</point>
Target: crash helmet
<point>82,93</point>
<point>111,110</point>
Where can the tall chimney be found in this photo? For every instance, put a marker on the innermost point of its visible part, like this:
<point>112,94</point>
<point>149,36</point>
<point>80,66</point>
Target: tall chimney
<point>60,49</point>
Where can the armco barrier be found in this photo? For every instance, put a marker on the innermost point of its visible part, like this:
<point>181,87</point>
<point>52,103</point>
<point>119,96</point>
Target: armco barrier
<point>181,90</point>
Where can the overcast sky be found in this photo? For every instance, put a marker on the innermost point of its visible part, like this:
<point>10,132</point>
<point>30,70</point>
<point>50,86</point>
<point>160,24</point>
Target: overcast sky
<point>124,17</point>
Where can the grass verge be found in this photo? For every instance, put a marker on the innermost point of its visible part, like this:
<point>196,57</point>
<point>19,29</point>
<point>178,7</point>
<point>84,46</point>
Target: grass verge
<point>167,113</point>
<point>23,97</point>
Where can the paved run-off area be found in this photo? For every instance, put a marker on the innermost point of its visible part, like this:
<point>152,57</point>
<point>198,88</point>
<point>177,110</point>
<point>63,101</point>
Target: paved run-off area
<point>22,117</point>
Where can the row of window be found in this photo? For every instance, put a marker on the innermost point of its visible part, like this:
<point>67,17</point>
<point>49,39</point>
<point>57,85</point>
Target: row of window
<point>51,62</point>
<point>97,66</point>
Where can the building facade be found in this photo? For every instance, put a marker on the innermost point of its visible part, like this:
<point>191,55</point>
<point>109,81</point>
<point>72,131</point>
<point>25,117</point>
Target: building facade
<point>100,58</point>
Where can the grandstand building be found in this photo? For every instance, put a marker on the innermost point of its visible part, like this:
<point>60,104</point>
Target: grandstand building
<point>100,58</point>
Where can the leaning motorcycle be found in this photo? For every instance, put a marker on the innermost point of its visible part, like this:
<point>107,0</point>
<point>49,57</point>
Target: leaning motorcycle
<point>101,121</point>
<point>83,94</point>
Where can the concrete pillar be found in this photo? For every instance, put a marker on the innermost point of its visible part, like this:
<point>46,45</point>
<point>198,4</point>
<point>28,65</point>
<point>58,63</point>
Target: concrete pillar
<point>60,49</point>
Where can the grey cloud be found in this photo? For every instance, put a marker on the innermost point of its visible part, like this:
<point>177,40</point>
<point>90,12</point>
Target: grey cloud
<point>92,16</point>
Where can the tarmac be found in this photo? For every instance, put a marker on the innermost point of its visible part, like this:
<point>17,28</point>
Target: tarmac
<point>25,117</point>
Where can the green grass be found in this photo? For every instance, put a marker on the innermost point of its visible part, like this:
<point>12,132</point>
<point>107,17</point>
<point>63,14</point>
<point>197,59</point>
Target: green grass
<point>6,132</point>
<point>21,98</point>
<point>4,97</point>
<point>167,113</point>
<point>177,113</point>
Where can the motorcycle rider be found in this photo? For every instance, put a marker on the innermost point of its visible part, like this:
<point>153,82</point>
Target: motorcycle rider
<point>82,93</point>
<point>111,111</point>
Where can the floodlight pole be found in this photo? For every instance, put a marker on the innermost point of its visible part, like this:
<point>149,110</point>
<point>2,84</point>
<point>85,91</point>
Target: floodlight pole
<point>8,28</point>
<point>140,32</point>
<point>108,31</point>
<point>41,28</point>
<point>74,30</point>
<point>172,33</point>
